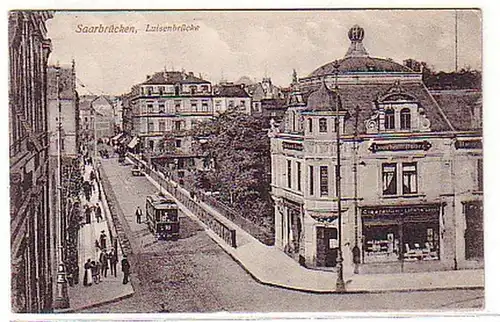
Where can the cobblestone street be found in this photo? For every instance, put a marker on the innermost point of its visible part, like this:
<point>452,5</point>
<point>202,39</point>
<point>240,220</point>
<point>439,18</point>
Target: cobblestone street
<point>194,274</point>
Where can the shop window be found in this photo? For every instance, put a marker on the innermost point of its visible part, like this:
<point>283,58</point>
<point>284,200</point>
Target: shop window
<point>289,173</point>
<point>409,178</point>
<point>405,119</point>
<point>389,185</point>
<point>323,181</point>
<point>310,122</point>
<point>322,125</point>
<point>311,180</point>
<point>389,119</point>
<point>299,175</point>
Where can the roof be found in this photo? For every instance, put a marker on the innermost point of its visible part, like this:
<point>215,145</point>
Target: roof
<point>323,99</point>
<point>230,91</point>
<point>161,200</point>
<point>463,107</point>
<point>361,64</point>
<point>171,78</point>
<point>364,95</point>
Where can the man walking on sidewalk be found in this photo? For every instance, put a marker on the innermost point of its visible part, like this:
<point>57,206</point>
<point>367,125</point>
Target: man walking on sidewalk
<point>125,269</point>
<point>102,240</point>
<point>103,258</point>
<point>138,214</point>
<point>98,212</point>
<point>113,261</point>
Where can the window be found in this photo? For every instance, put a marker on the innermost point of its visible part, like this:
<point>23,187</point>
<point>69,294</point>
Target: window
<point>405,118</point>
<point>149,107</point>
<point>299,175</point>
<point>151,145</point>
<point>204,106</point>
<point>323,181</point>
<point>177,90</point>
<point>177,125</point>
<point>149,90</point>
<point>289,173</point>
<point>161,107</point>
<point>177,106</point>
<point>204,88</point>
<point>161,126</point>
<point>194,106</point>
<point>310,121</point>
<point>311,180</point>
<point>230,104</point>
<point>389,119</point>
<point>409,178</point>
<point>322,125</point>
<point>151,126</point>
<point>389,179</point>
<point>178,143</point>
<point>161,90</point>
<point>217,105</point>
<point>480,174</point>
<point>242,103</point>
<point>192,89</point>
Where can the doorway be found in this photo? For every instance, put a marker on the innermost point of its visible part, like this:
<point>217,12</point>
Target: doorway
<point>327,246</point>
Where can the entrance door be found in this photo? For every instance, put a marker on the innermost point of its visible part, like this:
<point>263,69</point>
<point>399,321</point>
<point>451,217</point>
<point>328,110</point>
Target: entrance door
<point>327,247</point>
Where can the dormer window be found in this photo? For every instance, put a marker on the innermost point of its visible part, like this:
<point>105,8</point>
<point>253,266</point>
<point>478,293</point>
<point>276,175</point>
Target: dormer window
<point>389,119</point>
<point>405,119</point>
<point>322,125</point>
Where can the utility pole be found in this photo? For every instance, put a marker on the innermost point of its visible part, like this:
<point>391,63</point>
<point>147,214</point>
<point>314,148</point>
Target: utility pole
<point>62,298</point>
<point>340,285</point>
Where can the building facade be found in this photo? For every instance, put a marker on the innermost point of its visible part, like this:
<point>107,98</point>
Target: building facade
<point>32,243</point>
<point>410,174</point>
<point>168,102</point>
<point>231,97</point>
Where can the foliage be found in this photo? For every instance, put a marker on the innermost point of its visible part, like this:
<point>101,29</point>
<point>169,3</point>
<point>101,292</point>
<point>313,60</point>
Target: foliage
<point>240,151</point>
<point>465,78</point>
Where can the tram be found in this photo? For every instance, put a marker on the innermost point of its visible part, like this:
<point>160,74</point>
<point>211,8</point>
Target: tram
<point>162,214</point>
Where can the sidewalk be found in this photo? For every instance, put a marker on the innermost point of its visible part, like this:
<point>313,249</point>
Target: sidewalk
<point>110,289</point>
<point>269,265</point>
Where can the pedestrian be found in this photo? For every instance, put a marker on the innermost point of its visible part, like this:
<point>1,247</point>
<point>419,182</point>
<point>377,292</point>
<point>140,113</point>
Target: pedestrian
<point>138,214</point>
<point>88,214</point>
<point>98,212</point>
<point>113,261</point>
<point>99,270</point>
<point>93,269</point>
<point>87,273</point>
<point>356,258</point>
<point>102,240</point>
<point>125,269</point>
<point>97,246</point>
<point>103,258</point>
<point>86,190</point>
<point>92,175</point>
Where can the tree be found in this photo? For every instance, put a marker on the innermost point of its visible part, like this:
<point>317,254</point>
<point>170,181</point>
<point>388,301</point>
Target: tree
<point>241,153</point>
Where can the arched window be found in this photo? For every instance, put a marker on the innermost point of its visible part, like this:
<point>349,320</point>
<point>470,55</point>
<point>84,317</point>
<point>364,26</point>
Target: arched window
<point>389,119</point>
<point>405,119</point>
<point>322,125</point>
<point>310,121</point>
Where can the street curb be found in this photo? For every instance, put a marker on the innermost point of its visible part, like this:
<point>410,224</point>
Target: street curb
<point>313,291</point>
<point>94,305</point>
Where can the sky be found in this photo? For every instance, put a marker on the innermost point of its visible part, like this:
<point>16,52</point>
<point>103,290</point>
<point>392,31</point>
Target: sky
<point>256,44</point>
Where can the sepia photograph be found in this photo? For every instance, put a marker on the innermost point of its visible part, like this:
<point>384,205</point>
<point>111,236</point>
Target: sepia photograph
<point>201,161</point>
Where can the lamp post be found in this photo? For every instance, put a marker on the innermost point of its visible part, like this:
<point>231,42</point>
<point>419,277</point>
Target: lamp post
<point>340,284</point>
<point>62,298</point>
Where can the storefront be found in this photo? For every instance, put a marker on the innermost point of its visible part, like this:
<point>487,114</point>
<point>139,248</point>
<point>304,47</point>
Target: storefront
<point>399,233</point>
<point>292,226</point>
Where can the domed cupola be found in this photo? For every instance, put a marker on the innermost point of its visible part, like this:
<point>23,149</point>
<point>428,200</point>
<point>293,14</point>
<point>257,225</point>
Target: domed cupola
<point>323,99</point>
<point>356,35</point>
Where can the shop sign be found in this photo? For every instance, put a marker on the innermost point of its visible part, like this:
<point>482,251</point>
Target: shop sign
<point>400,210</point>
<point>333,243</point>
<point>292,146</point>
<point>400,146</point>
<point>468,144</point>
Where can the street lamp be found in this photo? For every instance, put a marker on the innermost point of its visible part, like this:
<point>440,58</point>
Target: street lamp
<point>62,299</point>
<point>340,285</point>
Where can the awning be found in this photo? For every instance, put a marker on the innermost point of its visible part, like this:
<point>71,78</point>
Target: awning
<point>116,137</point>
<point>133,143</point>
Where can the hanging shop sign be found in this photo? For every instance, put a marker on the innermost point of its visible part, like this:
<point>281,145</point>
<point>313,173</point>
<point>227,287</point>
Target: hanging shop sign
<point>292,146</point>
<point>400,146</point>
<point>468,144</point>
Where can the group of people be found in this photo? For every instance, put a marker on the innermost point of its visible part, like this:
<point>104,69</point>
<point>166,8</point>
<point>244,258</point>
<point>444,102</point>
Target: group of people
<point>89,186</point>
<point>96,269</point>
<point>89,209</point>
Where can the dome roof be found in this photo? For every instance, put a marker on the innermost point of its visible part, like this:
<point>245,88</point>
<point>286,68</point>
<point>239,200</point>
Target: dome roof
<point>323,99</point>
<point>357,59</point>
<point>361,64</point>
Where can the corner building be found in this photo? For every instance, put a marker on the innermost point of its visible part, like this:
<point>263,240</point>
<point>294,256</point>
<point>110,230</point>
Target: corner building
<point>411,173</point>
